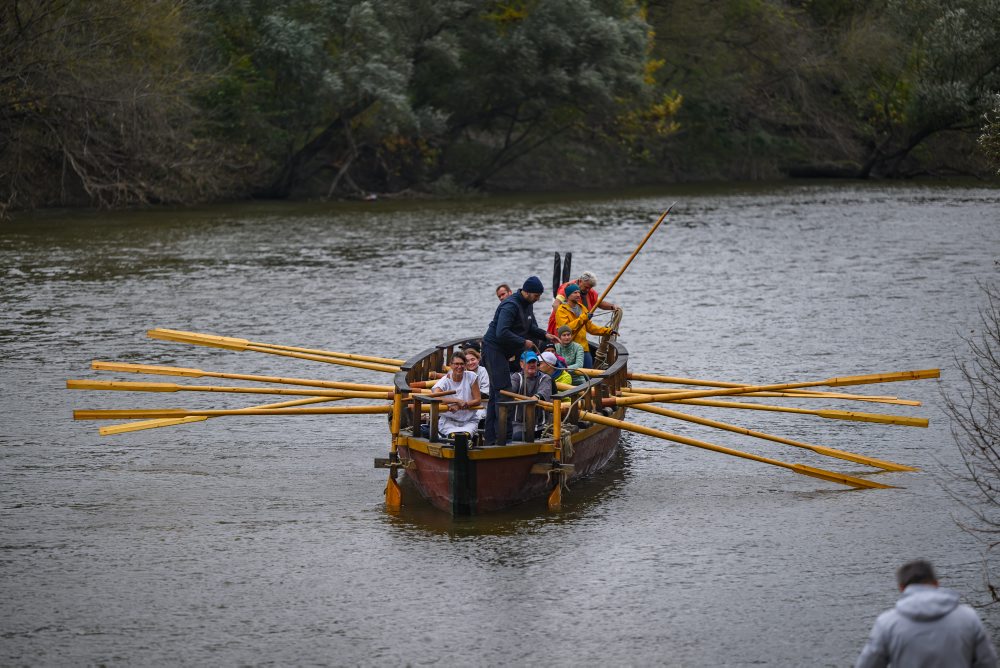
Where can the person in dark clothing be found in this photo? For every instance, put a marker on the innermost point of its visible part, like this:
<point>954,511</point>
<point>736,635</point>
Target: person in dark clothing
<point>512,331</point>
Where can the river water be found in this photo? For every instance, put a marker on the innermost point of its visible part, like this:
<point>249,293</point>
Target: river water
<point>263,541</point>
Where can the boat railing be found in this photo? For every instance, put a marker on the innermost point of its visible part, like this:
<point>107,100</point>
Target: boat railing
<point>430,364</point>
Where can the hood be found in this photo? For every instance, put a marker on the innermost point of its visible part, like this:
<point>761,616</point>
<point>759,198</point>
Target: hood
<point>925,602</point>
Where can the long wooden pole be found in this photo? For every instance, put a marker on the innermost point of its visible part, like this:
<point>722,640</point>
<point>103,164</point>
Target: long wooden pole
<point>827,414</point>
<point>621,271</point>
<point>235,343</point>
<point>829,382</point>
<point>634,253</point>
<point>795,394</point>
<point>657,378</point>
<point>226,343</point>
<point>185,372</point>
<point>158,413</point>
<point>174,387</point>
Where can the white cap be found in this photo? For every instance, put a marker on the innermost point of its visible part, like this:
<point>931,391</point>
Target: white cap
<point>550,358</point>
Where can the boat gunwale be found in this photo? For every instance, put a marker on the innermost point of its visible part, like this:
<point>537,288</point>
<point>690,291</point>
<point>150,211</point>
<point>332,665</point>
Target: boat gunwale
<point>431,360</point>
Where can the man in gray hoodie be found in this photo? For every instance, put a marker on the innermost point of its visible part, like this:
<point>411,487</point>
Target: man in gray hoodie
<point>927,628</point>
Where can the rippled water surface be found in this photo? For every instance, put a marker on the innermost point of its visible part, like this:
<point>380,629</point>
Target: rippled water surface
<point>264,541</point>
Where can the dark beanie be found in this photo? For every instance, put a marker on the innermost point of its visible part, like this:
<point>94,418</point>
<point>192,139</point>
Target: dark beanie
<point>570,289</point>
<point>533,284</point>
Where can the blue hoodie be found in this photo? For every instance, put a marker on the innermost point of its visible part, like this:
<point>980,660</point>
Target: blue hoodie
<point>928,628</point>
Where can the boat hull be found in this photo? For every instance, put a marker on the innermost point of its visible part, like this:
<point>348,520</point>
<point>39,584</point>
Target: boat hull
<point>495,478</point>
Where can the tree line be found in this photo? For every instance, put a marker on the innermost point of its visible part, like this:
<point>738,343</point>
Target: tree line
<point>123,102</point>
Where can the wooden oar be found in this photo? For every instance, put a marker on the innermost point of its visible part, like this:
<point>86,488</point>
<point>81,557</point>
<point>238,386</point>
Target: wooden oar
<point>169,422</point>
<point>621,271</point>
<point>235,343</point>
<point>822,474</point>
<point>158,413</point>
<point>174,387</point>
<point>198,373</point>
<point>796,394</point>
<point>829,382</point>
<point>225,343</point>
<point>818,449</point>
<point>853,416</point>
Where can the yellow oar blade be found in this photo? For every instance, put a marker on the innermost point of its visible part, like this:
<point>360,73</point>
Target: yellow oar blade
<point>124,367</point>
<point>148,424</point>
<point>855,416</point>
<point>832,476</point>
<point>921,374</point>
<point>194,338</point>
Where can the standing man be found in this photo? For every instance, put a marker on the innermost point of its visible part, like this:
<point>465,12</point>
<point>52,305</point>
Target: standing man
<point>510,333</point>
<point>928,627</point>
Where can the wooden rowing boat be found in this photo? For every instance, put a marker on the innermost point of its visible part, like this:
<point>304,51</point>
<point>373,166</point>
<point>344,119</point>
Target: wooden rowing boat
<point>463,477</point>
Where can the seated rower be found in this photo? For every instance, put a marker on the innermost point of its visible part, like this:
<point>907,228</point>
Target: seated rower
<point>503,291</point>
<point>548,364</point>
<point>575,315</point>
<point>529,382</point>
<point>572,352</point>
<point>460,415</point>
<point>472,356</point>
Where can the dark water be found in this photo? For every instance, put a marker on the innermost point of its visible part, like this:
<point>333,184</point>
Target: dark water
<point>263,541</point>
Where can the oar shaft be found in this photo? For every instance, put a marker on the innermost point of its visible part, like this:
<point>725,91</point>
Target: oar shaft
<point>833,382</point>
<point>793,394</point>
<point>159,413</point>
<point>234,343</point>
<point>174,387</point>
<point>199,373</point>
<point>631,257</point>
<point>854,416</point>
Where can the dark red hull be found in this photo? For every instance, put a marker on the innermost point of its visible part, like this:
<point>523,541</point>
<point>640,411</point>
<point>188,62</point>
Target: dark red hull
<point>488,482</point>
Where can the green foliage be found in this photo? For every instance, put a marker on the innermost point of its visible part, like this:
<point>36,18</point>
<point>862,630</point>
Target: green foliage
<point>129,101</point>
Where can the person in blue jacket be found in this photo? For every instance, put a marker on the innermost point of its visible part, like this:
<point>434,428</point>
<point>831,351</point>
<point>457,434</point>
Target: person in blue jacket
<point>928,627</point>
<point>512,331</point>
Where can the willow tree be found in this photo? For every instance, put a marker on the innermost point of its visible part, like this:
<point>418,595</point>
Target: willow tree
<point>94,105</point>
<point>514,76</point>
<point>936,73</point>
<point>308,84</point>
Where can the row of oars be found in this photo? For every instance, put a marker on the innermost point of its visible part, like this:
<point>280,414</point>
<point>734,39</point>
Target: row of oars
<point>645,399</point>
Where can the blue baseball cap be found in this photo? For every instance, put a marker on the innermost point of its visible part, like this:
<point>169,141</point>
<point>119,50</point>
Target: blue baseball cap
<point>529,356</point>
